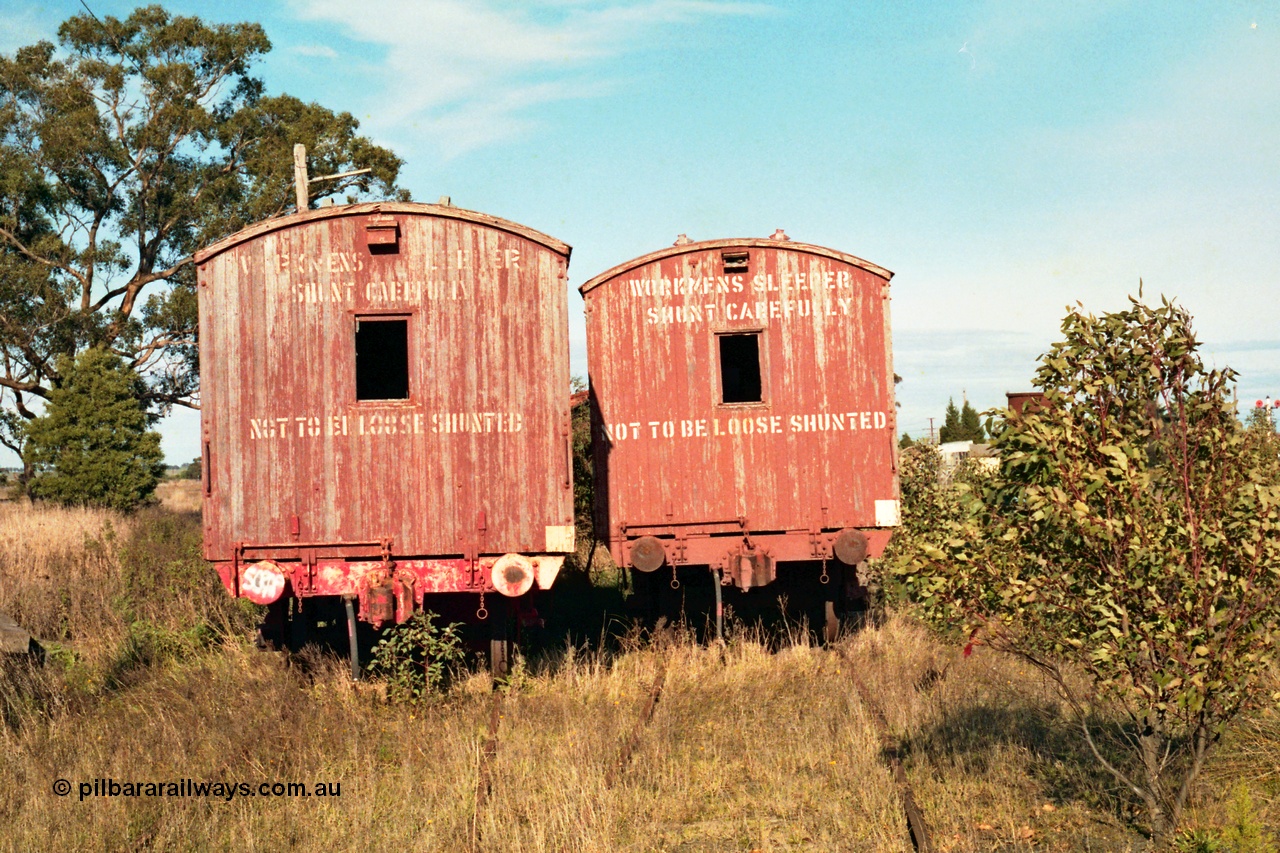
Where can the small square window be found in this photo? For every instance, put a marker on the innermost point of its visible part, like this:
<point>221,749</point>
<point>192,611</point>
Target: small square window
<point>382,358</point>
<point>740,368</point>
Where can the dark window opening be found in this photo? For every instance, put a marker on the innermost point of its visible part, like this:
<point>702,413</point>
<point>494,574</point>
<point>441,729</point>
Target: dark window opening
<point>382,359</point>
<point>735,261</point>
<point>740,369</point>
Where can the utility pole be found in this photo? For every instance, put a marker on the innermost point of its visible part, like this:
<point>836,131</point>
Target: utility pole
<point>931,441</point>
<point>301,182</point>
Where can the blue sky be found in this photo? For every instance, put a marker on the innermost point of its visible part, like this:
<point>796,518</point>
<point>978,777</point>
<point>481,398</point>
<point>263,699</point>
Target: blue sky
<point>1005,160</point>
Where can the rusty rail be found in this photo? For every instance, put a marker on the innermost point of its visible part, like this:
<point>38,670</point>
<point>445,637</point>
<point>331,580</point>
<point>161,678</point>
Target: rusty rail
<point>892,752</point>
<point>646,714</point>
<point>484,777</point>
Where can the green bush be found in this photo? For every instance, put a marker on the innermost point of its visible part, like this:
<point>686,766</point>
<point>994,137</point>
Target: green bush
<point>1244,832</point>
<point>167,581</point>
<point>414,658</point>
<point>92,445</point>
<point>1131,535</point>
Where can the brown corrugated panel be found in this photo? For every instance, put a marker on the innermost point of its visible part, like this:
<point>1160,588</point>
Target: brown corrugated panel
<point>475,461</point>
<point>816,453</point>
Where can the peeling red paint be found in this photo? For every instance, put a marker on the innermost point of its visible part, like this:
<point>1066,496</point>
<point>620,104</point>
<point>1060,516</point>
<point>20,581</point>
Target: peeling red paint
<point>432,485</point>
<point>769,479</point>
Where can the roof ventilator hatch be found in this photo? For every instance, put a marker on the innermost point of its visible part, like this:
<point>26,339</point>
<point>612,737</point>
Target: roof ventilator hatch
<point>735,262</point>
<point>382,233</point>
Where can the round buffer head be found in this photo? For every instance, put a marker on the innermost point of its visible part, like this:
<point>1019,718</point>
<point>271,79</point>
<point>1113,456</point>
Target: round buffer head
<point>851,546</point>
<point>647,554</point>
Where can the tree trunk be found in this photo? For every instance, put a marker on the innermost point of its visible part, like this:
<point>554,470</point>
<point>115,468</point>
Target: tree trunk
<point>1163,822</point>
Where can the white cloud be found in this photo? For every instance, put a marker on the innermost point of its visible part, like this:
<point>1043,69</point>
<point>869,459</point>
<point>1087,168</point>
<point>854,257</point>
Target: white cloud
<point>319,51</point>
<point>466,73</point>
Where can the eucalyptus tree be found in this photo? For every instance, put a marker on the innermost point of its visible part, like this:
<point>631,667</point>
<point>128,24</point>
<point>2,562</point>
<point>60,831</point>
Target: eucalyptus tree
<point>123,148</point>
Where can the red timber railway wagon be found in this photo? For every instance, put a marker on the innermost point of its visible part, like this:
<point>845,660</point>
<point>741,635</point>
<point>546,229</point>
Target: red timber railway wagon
<point>385,412</point>
<point>744,407</point>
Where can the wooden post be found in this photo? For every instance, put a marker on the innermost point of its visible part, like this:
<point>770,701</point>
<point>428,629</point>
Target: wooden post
<point>300,176</point>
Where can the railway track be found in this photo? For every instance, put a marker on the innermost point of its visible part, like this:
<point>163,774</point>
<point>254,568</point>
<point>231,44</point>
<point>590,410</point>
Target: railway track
<point>484,772</point>
<point>891,751</point>
<point>646,714</point>
<point>489,750</point>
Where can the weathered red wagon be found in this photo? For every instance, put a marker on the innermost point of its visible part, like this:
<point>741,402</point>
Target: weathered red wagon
<point>385,413</point>
<point>744,408</point>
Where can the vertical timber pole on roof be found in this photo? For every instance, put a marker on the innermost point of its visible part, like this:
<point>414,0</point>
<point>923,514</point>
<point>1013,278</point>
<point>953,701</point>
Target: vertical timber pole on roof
<point>300,176</point>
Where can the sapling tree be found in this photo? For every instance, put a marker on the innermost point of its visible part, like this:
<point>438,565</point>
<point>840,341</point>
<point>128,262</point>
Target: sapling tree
<point>1262,443</point>
<point>1131,536</point>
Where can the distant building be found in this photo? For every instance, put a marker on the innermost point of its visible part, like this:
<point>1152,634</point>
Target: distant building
<point>1025,401</point>
<point>954,451</point>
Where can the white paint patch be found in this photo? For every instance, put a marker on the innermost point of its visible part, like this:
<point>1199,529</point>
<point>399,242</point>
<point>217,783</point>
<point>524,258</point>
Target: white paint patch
<point>262,583</point>
<point>559,538</point>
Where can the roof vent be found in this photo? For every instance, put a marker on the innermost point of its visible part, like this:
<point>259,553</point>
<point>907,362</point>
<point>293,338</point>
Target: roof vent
<point>682,240</point>
<point>735,262</point>
<point>780,236</point>
<point>382,231</point>
<point>445,201</point>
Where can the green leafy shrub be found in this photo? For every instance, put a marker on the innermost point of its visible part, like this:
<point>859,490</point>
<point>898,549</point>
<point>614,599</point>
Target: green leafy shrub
<point>1198,840</point>
<point>414,658</point>
<point>92,445</point>
<point>583,465</point>
<point>931,500</point>
<point>1131,536</point>
<point>167,581</point>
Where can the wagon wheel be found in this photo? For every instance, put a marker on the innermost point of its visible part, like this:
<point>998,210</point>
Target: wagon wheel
<point>832,626</point>
<point>271,632</point>
<point>833,601</point>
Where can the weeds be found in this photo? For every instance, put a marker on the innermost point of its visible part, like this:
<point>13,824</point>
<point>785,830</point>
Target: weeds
<point>1244,832</point>
<point>414,658</point>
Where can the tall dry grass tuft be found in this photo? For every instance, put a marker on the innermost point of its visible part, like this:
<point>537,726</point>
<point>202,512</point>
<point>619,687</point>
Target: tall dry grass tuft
<point>106,595</point>
<point>59,570</point>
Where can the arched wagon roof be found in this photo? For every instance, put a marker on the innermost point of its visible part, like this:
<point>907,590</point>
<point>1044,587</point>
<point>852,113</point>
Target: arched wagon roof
<point>746,242</point>
<point>384,207</point>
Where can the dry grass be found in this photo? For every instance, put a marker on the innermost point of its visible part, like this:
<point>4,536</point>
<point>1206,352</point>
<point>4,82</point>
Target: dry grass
<point>179,495</point>
<point>60,569</point>
<point>748,749</point>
